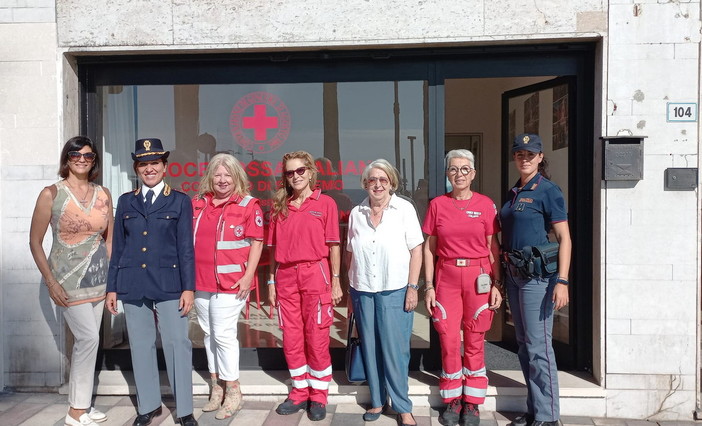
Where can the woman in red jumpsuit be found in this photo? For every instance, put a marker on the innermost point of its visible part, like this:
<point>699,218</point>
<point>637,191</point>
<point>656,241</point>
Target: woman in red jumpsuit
<point>461,228</point>
<point>304,281</point>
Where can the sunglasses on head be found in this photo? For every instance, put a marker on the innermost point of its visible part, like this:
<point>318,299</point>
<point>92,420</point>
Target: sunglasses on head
<point>290,173</point>
<point>75,155</point>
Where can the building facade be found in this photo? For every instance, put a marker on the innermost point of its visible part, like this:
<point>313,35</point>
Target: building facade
<point>358,80</point>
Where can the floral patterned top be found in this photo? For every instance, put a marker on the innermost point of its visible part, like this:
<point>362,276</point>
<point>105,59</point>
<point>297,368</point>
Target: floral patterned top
<point>78,257</point>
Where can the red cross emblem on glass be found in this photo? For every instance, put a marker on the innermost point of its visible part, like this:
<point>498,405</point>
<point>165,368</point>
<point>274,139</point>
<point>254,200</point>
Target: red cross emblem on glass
<point>260,122</point>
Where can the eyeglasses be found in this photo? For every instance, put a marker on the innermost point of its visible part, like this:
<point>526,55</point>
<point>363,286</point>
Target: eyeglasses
<point>290,173</point>
<point>382,181</point>
<point>75,155</point>
<point>464,170</point>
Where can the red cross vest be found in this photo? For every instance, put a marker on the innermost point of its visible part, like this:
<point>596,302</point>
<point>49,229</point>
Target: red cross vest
<point>240,222</point>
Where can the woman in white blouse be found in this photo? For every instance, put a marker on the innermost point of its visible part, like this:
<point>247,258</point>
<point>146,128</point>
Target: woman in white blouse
<point>385,245</point>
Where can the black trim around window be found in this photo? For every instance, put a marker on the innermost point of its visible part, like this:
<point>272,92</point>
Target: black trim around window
<point>431,64</point>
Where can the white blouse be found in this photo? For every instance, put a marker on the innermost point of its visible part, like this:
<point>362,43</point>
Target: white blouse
<point>381,256</point>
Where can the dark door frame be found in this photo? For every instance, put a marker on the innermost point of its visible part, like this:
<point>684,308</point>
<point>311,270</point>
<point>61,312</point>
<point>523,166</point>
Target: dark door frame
<point>432,64</point>
<point>567,355</point>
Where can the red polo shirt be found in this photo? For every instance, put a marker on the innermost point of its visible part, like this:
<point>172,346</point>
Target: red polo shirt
<point>303,235</point>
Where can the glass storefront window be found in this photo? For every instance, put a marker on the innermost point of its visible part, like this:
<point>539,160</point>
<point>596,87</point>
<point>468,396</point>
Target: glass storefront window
<point>344,125</point>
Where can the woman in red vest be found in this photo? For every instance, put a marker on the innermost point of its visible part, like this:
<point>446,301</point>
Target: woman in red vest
<point>228,236</point>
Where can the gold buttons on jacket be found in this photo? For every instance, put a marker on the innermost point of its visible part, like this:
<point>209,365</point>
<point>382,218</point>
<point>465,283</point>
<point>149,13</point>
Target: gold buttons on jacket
<point>144,233</point>
<point>175,266</point>
<point>143,265</point>
<point>143,249</point>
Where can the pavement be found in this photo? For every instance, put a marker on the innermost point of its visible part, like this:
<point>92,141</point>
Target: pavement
<point>49,409</point>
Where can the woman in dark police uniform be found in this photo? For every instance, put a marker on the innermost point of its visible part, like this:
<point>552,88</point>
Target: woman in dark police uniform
<point>152,271</point>
<point>535,207</point>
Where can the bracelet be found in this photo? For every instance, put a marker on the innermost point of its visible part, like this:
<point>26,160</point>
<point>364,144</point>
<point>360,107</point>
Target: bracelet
<point>561,280</point>
<point>428,287</point>
<point>335,275</point>
<point>271,282</point>
<point>53,283</point>
<point>428,282</point>
<point>414,286</point>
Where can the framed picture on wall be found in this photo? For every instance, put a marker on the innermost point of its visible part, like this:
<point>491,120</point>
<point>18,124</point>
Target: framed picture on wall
<point>531,113</point>
<point>560,116</point>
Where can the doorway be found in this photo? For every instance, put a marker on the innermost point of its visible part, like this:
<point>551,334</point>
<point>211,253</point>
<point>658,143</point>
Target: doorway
<point>477,113</point>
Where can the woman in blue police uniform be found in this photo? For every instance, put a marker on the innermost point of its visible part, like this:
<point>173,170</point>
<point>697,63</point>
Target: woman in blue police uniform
<point>152,270</point>
<point>535,207</point>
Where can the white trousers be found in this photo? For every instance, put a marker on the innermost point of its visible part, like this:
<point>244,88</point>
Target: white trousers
<point>84,322</point>
<point>218,315</point>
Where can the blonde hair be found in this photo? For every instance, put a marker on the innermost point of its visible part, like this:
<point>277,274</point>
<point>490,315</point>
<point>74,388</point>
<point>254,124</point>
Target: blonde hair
<point>280,199</point>
<point>387,168</point>
<point>233,166</point>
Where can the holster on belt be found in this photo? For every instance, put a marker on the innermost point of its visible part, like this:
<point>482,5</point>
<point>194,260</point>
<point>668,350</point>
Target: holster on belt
<point>533,262</point>
<point>522,260</point>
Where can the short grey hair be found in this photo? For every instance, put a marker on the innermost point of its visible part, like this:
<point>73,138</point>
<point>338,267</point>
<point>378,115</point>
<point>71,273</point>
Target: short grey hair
<point>385,166</point>
<point>459,153</point>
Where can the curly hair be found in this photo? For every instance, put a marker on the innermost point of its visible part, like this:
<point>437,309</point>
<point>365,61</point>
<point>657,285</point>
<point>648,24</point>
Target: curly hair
<point>280,199</point>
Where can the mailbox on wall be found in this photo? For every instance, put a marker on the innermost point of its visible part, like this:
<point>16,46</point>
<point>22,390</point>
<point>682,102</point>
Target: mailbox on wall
<point>623,158</point>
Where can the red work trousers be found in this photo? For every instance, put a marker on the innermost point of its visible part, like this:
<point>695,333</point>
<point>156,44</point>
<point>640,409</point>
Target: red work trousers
<point>305,313</point>
<point>460,307</point>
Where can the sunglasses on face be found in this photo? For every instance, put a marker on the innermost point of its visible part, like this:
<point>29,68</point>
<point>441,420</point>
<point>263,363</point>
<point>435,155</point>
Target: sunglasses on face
<point>290,173</point>
<point>75,155</point>
<point>382,181</point>
<point>454,170</point>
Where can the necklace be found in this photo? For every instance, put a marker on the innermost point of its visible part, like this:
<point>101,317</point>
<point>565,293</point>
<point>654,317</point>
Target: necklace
<point>453,200</point>
<point>297,202</point>
<point>73,191</point>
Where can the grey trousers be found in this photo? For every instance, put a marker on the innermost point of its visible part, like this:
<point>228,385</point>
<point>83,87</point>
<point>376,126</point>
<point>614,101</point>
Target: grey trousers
<point>531,303</point>
<point>84,322</point>
<point>177,350</point>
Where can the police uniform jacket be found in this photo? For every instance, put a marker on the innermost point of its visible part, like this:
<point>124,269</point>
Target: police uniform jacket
<point>152,254</point>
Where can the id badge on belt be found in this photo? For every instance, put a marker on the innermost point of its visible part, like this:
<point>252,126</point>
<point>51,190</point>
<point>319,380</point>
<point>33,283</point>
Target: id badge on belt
<point>483,283</point>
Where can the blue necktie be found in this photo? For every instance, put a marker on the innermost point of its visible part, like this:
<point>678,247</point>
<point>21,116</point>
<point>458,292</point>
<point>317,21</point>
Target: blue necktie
<point>147,200</point>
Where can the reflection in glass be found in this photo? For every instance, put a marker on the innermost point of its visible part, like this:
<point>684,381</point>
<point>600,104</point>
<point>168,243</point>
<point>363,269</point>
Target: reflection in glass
<point>344,125</point>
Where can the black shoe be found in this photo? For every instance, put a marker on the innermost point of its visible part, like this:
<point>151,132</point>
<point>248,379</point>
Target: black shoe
<point>525,419</point>
<point>145,419</point>
<point>545,423</point>
<point>451,414</point>
<point>399,421</point>
<point>317,412</point>
<point>371,417</point>
<point>470,416</point>
<point>188,420</point>
<point>289,407</point>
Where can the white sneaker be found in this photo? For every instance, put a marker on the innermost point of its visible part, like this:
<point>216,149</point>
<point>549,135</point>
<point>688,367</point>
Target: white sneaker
<point>83,420</point>
<point>96,415</point>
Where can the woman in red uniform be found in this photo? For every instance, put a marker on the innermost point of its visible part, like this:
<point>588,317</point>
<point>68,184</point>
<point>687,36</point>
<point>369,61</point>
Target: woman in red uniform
<point>304,281</point>
<point>461,228</point>
<point>228,234</point>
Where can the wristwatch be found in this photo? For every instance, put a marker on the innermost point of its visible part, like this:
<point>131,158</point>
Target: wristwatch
<point>414,286</point>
